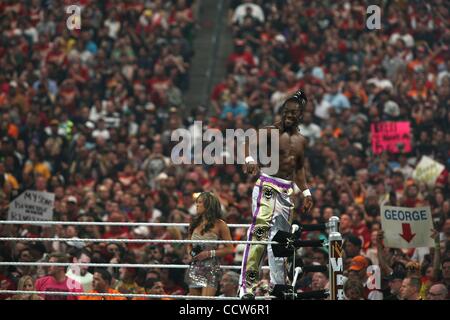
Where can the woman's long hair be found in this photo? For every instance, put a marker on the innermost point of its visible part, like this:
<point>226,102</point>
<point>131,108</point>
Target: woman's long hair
<point>21,287</point>
<point>212,213</point>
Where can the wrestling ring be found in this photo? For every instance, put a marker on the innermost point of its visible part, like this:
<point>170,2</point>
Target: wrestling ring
<point>286,244</point>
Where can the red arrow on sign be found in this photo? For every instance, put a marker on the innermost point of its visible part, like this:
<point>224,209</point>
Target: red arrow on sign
<point>407,235</point>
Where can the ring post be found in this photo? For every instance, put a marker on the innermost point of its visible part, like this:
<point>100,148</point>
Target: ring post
<point>336,265</point>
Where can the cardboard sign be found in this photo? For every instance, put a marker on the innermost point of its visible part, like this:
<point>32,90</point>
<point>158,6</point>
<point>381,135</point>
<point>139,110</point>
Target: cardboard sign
<point>32,206</point>
<point>394,137</point>
<point>407,227</point>
<point>427,171</point>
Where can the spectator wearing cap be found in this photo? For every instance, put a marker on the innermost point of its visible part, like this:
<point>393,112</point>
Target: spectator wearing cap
<point>358,268</point>
<point>101,283</point>
<point>72,208</point>
<point>358,271</point>
<point>141,232</point>
<point>395,280</point>
<point>410,289</point>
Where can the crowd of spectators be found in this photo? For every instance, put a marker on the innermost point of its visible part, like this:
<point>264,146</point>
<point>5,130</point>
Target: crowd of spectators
<point>88,114</point>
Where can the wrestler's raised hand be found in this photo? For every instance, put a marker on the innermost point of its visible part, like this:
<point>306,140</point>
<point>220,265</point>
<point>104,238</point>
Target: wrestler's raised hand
<point>251,166</point>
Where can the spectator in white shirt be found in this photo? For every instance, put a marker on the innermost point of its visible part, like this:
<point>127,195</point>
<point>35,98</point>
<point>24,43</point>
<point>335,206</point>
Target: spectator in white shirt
<point>101,130</point>
<point>81,273</point>
<point>309,129</point>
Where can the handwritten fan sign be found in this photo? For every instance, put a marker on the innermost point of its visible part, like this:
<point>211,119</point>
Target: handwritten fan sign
<point>427,171</point>
<point>394,137</point>
<point>32,206</point>
<point>407,227</point>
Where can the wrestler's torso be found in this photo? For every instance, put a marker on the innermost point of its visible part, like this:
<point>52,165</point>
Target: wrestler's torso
<point>291,151</point>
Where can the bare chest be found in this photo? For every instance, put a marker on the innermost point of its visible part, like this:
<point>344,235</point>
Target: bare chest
<point>290,145</point>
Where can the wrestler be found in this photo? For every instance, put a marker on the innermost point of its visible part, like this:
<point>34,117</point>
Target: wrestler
<point>271,203</point>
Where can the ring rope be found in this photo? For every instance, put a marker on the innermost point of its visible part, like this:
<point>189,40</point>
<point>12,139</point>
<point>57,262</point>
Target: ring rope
<point>128,295</point>
<point>113,265</point>
<point>120,224</point>
<point>139,240</point>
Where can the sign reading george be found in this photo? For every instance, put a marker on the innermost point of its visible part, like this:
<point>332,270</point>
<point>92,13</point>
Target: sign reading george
<point>32,206</point>
<point>407,227</point>
<point>394,137</point>
<point>427,171</point>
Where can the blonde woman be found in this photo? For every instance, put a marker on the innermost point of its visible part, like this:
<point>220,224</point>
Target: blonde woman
<point>26,283</point>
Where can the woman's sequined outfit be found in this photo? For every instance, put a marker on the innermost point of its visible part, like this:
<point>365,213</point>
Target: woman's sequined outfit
<point>205,273</point>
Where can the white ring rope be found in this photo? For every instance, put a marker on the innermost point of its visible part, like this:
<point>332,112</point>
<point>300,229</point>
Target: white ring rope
<point>140,240</point>
<point>118,224</point>
<point>128,295</point>
<point>113,265</point>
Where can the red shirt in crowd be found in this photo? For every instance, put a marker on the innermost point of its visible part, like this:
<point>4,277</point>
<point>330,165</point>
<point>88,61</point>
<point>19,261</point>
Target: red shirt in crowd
<point>246,58</point>
<point>50,284</point>
<point>363,233</point>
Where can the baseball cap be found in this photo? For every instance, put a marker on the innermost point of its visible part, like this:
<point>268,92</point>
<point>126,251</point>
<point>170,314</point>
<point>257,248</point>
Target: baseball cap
<point>353,68</point>
<point>141,231</point>
<point>72,199</point>
<point>358,263</point>
<point>89,125</point>
<point>150,106</point>
<point>391,108</point>
<point>74,243</point>
<point>280,38</point>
